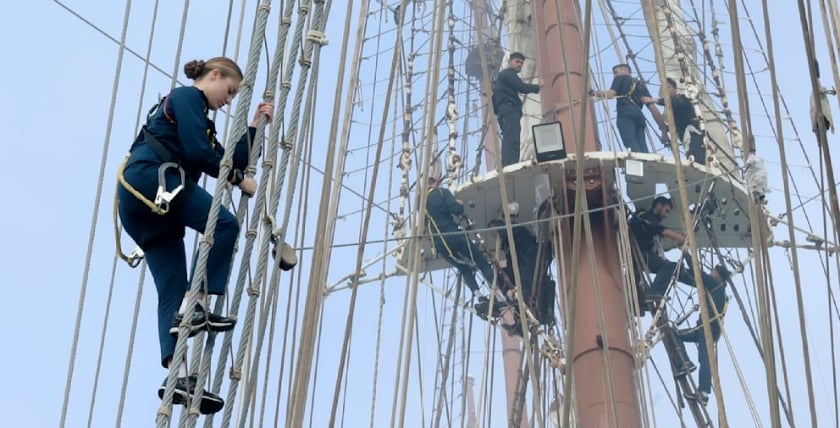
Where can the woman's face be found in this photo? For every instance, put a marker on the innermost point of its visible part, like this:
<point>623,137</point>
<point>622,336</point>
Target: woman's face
<point>219,90</point>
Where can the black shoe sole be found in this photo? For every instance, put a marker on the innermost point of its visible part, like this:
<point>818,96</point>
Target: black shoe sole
<point>210,403</point>
<point>220,327</point>
<point>194,329</point>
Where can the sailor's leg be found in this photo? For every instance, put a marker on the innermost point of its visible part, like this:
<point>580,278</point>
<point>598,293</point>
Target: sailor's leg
<point>664,271</point>
<point>627,131</point>
<point>641,138</point>
<point>167,263</point>
<point>509,120</point>
<point>194,215</point>
<point>696,147</point>
<point>481,261</point>
<point>444,248</point>
<point>705,375</point>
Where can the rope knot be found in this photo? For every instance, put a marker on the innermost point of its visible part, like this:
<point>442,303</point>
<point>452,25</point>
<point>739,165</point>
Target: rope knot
<point>253,292</point>
<point>286,145</point>
<point>251,233</point>
<point>264,7</point>
<point>164,411</point>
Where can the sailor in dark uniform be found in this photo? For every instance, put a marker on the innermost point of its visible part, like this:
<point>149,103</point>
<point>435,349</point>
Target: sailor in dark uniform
<point>450,240</point>
<point>158,197</point>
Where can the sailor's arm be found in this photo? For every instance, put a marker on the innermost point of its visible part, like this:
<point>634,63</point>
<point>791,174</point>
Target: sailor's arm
<point>673,235</point>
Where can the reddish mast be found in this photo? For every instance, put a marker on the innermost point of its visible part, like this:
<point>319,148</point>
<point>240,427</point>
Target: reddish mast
<point>605,393</point>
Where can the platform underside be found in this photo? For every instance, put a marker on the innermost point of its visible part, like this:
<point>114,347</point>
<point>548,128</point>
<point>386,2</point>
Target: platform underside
<point>641,177</point>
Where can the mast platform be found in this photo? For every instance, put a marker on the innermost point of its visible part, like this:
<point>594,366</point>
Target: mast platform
<point>645,176</point>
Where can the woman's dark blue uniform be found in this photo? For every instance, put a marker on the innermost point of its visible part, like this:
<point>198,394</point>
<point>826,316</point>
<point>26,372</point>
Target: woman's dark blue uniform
<point>180,125</point>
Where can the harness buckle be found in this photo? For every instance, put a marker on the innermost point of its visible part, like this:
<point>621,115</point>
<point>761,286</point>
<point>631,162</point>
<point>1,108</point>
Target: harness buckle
<point>163,197</point>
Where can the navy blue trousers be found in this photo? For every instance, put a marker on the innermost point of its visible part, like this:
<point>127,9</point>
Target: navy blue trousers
<point>162,239</point>
<point>464,251</point>
<point>510,123</point>
<point>696,335</point>
<point>631,128</point>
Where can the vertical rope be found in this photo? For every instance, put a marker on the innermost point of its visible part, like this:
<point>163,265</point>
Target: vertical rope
<point>265,186</point>
<point>94,217</point>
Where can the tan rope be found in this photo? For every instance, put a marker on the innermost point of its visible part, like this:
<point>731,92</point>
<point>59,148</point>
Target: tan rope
<point>690,236</point>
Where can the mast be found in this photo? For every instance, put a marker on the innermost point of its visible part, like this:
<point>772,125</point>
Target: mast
<point>603,376</point>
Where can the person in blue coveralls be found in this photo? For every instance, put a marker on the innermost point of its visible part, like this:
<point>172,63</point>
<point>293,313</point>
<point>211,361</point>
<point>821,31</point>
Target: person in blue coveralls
<point>159,197</point>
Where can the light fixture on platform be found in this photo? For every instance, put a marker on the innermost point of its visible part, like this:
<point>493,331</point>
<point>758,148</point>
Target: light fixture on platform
<point>548,141</point>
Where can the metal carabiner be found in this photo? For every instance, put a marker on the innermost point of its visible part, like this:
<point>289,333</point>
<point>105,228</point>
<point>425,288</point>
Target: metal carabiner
<point>135,257</point>
<point>164,197</point>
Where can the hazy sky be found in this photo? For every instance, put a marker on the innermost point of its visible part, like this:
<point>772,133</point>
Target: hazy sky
<point>59,75</point>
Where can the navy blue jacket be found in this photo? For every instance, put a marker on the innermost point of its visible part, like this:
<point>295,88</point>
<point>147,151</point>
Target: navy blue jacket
<point>182,126</point>
<point>506,90</point>
<point>646,227</point>
<point>440,207</point>
<point>683,113</point>
<point>629,93</point>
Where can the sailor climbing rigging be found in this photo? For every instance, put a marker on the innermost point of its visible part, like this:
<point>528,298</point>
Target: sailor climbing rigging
<point>158,197</point>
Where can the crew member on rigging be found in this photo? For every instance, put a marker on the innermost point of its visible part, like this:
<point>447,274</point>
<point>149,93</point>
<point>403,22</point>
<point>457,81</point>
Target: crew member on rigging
<point>648,230</point>
<point>686,123</point>
<point>715,286</point>
<point>159,196</point>
<point>508,105</point>
<point>450,240</point>
<point>631,94</point>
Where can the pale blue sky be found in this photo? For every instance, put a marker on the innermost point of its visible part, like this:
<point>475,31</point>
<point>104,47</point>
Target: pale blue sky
<point>59,75</point>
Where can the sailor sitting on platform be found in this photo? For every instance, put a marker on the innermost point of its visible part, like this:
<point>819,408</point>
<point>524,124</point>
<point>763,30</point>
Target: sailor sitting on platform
<point>450,240</point>
<point>533,260</point>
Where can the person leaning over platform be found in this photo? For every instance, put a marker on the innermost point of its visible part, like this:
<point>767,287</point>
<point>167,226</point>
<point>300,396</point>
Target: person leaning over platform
<point>508,105</point>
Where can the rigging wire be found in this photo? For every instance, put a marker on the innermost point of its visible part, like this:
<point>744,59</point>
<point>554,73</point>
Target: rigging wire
<point>94,217</point>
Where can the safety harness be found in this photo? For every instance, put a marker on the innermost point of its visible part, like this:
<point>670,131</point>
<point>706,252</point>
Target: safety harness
<point>163,197</point>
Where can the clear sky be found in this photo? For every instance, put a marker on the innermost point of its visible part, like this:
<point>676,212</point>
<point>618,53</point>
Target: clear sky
<point>59,75</point>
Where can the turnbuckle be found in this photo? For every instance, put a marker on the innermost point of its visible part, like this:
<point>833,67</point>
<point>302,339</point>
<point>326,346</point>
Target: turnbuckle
<point>163,197</point>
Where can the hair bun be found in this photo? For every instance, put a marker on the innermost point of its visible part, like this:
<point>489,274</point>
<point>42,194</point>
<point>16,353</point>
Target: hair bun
<point>194,68</point>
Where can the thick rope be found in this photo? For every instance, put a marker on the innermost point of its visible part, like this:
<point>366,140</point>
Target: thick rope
<point>312,55</point>
<point>264,187</point>
<point>690,236</point>
<point>199,278</point>
<point>420,214</point>
<point>95,217</point>
<point>314,297</point>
